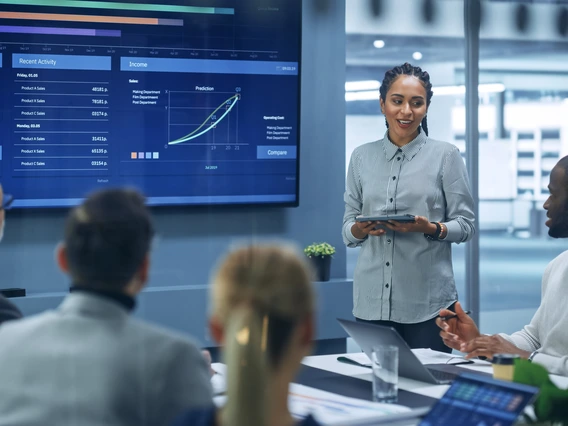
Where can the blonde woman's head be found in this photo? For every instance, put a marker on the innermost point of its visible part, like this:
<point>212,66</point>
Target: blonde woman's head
<point>262,312</point>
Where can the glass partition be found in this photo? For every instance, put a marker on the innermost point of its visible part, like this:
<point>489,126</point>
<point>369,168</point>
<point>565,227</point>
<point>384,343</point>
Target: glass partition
<point>523,102</point>
<point>523,133</point>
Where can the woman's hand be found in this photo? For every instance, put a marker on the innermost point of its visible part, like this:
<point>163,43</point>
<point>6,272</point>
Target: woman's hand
<point>420,224</point>
<point>361,229</point>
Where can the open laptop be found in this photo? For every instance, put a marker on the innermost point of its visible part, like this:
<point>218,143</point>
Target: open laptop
<point>368,335</point>
<point>478,400</point>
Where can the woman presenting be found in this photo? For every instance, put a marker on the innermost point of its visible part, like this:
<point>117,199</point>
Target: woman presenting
<point>404,273</point>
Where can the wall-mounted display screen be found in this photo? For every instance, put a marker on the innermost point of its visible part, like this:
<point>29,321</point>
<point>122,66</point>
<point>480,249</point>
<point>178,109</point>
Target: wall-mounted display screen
<point>194,103</point>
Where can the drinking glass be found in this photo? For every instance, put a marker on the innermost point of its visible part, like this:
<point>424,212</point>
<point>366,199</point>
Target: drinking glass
<point>385,373</point>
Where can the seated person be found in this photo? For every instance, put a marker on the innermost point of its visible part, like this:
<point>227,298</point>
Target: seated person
<point>545,339</point>
<point>262,313</point>
<point>89,362</point>
<point>8,311</point>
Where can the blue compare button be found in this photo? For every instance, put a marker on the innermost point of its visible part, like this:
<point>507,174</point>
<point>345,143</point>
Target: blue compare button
<point>276,152</point>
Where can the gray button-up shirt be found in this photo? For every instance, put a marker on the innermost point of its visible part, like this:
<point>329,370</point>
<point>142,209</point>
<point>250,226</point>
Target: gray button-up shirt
<point>404,277</point>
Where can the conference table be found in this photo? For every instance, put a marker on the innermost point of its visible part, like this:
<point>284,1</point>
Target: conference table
<point>326,373</point>
<point>350,386</point>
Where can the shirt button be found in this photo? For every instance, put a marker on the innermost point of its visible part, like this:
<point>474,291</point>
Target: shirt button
<point>391,200</point>
<point>394,178</point>
<point>388,263</point>
<point>387,285</point>
<point>389,241</point>
<point>398,158</point>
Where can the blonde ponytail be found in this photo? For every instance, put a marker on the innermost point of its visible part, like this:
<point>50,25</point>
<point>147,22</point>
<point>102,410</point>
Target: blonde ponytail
<point>246,359</point>
<point>260,294</point>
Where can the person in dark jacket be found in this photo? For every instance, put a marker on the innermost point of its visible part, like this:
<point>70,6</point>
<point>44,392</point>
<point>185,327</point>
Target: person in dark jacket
<point>8,311</point>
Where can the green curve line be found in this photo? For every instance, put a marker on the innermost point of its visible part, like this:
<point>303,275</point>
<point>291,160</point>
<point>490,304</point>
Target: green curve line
<point>192,135</point>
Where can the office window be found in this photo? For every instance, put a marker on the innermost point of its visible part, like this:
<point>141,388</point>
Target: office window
<point>523,102</point>
<point>523,133</point>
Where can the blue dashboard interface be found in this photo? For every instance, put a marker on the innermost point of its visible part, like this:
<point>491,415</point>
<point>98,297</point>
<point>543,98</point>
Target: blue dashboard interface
<point>192,102</point>
<point>474,400</point>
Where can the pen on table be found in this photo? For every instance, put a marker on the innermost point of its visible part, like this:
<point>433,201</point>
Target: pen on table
<point>353,362</point>
<point>447,317</point>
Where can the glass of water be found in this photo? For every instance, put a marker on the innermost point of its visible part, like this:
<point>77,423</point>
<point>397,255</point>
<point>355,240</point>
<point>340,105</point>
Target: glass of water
<point>385,373</point>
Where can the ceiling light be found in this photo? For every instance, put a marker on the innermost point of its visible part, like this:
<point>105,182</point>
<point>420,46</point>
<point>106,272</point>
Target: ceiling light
<point>491,88</point>
<point>460,90</point>
<point>417,56</point>
<point>351,86</point>
<point>369,95</point>
<point>379,44</point>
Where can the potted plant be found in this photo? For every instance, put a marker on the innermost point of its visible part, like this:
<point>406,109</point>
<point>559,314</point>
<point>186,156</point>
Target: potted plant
<point>551,406</point>
<point>320,255</point>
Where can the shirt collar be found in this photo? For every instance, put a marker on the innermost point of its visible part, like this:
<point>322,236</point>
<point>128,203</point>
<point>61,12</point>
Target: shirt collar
<point>409,150</point>
<point>127,302</point>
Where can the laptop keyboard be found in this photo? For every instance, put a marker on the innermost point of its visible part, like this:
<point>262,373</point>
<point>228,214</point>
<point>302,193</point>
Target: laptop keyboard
<point>442,375</point>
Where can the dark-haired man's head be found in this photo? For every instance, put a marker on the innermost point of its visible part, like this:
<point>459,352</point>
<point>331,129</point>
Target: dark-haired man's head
<point>107,242</point>
<point>556,205</point>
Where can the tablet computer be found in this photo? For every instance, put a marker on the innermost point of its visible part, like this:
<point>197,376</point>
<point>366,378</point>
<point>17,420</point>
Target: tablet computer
<point>384,218</point>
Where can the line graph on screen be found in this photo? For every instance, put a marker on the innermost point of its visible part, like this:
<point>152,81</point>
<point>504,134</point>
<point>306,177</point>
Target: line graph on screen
<point>197,117</point>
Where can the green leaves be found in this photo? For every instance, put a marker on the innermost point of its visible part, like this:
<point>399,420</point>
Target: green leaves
<point>552,402</point>
<point>319,249</point>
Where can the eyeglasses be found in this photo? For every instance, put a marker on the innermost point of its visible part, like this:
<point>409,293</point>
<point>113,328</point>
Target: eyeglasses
<point>6,202</point>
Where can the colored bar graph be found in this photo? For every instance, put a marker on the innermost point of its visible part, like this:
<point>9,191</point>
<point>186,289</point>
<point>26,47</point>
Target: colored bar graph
<point>59,31</point>
<point>90,18</point>
<point>80,4</point>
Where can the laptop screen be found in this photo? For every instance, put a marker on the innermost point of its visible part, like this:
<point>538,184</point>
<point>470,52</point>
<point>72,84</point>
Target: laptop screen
<point>477,400</point>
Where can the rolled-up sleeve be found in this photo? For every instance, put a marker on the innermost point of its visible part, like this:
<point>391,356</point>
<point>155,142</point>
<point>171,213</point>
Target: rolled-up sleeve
<point>546,333</point>
<point>353,201</point>
<point>460,219</point>
<point>527,340</point>
<point>554,364</point>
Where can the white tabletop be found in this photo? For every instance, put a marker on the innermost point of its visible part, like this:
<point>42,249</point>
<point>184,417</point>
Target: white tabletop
<point>330,363</point>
